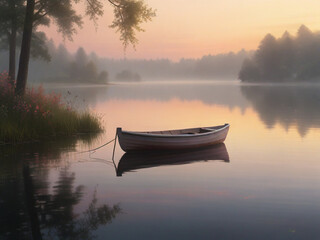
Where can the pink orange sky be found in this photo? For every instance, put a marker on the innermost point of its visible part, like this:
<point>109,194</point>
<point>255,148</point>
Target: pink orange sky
<point>191,29</point>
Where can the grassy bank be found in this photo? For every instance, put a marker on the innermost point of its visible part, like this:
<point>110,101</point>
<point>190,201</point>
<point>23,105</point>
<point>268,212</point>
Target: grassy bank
<point>37,115</point>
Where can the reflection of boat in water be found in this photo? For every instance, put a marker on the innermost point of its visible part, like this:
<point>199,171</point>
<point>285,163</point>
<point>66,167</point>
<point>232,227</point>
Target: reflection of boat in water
<point>172,139</point>
<point>147,159</point>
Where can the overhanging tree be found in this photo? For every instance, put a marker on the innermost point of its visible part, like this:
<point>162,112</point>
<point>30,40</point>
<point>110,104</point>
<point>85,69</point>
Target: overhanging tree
<point>11,21</point>
<point>12,14</point>
<point>128,16</point>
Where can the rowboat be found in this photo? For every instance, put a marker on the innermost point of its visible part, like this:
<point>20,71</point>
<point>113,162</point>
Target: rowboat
<point>135,160</point>
<point>172,139</point>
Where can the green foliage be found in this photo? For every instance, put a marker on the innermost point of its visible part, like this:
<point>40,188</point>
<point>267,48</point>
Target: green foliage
<point>11,9</point>
<point>62,13</point>
<point>128,16</point>
<point>37,115</point>
<point>39,49</point>
<point>12,14</point>
<point>94,9</point>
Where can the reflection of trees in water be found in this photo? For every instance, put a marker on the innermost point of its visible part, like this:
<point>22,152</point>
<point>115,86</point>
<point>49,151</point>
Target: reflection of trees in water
<point>32,208</point>
<point>29,209</point>
<point>58,219</point>
<point>287,105</point>
<point>13,220</point>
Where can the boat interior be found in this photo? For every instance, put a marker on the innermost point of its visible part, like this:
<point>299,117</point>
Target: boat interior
<point>183,131</point>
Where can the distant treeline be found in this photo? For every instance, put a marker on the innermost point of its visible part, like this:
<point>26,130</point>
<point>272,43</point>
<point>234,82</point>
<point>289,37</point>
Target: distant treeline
<point>62,66</point>
<point>221,66</point>
<point>89,68</point>
<point>285,59</point>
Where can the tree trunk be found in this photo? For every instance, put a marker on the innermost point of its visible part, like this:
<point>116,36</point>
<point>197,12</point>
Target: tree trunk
<point>25,49</point>
<point>12,49</point>
<point>12,56</point>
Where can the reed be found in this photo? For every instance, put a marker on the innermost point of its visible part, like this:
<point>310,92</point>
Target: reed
<point>37,115</point>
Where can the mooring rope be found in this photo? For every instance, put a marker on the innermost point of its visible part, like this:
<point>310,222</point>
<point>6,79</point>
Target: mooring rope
<point>93,150</point>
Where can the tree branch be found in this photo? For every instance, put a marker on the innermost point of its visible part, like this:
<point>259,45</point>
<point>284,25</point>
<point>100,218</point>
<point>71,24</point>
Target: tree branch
<point>116,5</point>
<point>119,8</point>
<point>37,15</point>
<point>40,8</point>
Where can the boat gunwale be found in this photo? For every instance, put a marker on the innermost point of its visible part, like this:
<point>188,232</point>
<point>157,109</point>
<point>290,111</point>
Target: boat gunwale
<point>214,131</point>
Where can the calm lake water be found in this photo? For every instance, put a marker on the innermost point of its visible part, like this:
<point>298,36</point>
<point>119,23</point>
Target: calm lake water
<point>264,183</point>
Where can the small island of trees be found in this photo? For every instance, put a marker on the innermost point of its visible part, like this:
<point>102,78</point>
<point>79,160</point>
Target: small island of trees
<point>127,75</point>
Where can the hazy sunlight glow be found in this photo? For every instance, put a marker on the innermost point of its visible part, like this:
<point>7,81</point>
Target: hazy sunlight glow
<point>196,28</point>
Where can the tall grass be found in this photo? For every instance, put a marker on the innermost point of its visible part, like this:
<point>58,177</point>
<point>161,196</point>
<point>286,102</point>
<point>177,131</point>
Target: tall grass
<point>37,115</point>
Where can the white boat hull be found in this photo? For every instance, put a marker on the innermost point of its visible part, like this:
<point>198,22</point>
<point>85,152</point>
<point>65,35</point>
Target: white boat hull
<point>172,139</point>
